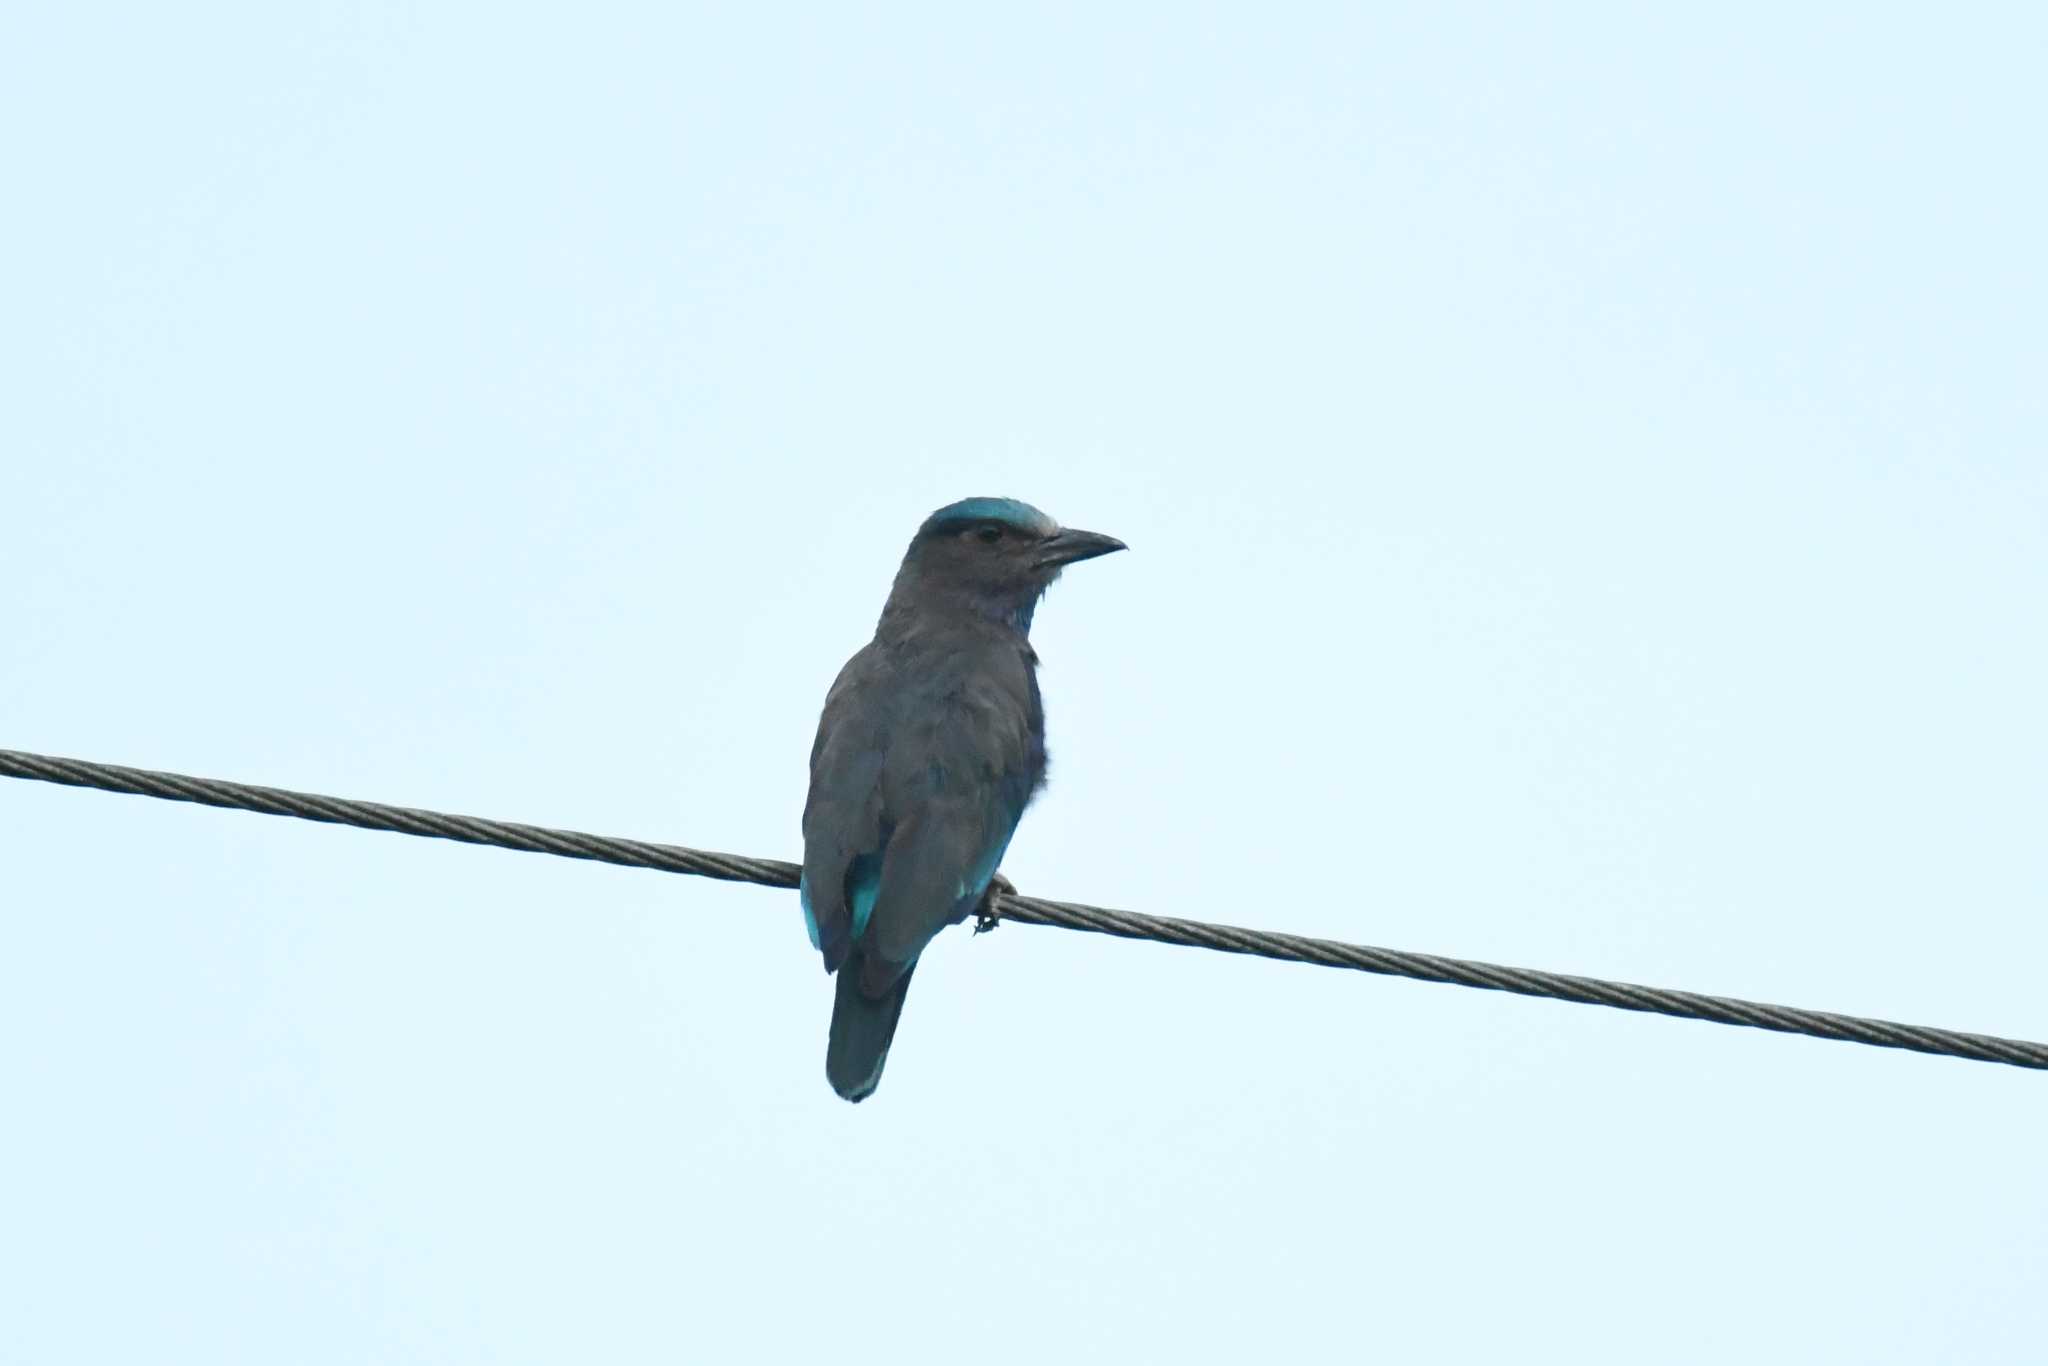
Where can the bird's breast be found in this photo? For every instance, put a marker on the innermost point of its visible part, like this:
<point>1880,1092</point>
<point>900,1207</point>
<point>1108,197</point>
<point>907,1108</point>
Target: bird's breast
<point>961,723</point>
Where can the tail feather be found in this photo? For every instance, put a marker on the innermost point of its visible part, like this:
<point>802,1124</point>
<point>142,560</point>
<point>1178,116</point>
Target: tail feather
<point>862,1027</point>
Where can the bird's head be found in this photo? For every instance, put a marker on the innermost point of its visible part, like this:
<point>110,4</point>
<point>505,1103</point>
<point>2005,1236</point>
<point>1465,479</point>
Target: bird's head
<point>996,554</point>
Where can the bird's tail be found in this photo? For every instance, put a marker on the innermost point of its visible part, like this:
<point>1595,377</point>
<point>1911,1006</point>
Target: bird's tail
<point>862,1026</point>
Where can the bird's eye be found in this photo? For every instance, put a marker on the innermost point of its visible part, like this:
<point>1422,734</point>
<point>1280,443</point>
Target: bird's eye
<point>989,535</point>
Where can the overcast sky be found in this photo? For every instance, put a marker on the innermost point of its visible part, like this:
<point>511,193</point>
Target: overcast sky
<point>1588,504</point>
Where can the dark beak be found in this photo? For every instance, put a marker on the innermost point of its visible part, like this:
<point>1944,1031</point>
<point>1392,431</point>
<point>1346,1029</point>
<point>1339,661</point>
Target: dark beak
<point>1071,546</point>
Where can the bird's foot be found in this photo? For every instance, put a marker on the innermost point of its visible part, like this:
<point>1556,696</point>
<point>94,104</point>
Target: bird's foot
<point>986,917</point>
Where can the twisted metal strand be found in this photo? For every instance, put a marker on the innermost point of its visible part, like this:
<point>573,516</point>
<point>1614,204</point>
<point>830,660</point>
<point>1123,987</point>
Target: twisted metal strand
<point>1031,910</point>
<point>399,820</point>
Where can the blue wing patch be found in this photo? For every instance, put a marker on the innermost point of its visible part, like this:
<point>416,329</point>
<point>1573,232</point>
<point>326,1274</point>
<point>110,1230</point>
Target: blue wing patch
<point>863,885</point>
<point>803,897</point>
<point>976,882</point>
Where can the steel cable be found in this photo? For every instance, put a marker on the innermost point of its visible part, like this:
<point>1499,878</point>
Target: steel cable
<point>1031,910</point>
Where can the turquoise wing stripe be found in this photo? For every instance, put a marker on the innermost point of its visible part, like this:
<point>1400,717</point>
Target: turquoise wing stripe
<point>976,882</point>
<point>865,879</point>
<point>803,897</point>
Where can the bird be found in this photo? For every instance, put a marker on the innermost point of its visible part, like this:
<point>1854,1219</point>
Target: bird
<point>930,745</point>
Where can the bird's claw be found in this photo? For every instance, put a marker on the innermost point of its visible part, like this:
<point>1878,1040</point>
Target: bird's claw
<point>986,917</point>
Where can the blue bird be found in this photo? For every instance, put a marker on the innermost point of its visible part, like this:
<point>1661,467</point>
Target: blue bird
<point>931,744</point>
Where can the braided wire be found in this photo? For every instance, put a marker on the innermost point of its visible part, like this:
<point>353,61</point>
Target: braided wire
<point>1031,910</point>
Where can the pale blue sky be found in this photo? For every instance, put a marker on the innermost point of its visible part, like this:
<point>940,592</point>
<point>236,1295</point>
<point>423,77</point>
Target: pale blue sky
<point>1586,485</point>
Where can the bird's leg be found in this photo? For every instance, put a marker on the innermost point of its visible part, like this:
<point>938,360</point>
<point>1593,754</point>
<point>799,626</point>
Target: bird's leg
<point>985,916</point>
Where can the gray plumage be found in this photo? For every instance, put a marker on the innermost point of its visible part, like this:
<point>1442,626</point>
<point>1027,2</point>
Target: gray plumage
<point>931,744</point>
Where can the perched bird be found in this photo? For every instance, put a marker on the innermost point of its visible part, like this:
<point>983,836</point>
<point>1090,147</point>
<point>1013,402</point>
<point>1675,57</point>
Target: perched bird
<point>931,744</point>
